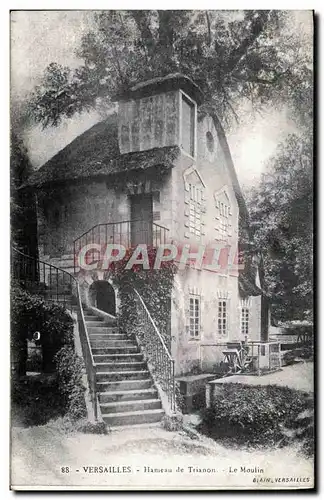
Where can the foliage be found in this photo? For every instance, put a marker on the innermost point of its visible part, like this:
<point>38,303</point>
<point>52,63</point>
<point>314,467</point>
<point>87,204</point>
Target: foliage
<point>154,286</point>
<point>172,423</point>
<point>36,400</point>
<point>255,55</point>
<point>30,313</point>
<point>254,414</point>
<point>69,368</point>
<point>289,357</point>
<point>22,203</point>
<point>281,220</point>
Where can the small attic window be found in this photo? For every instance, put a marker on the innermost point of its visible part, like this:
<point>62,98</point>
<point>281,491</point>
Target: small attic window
<point>188,125</point>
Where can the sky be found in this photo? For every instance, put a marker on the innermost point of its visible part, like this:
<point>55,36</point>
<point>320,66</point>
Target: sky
<point>41,37</point>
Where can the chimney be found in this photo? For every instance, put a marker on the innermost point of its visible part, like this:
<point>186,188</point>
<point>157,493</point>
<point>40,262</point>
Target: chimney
<point>157,113</point>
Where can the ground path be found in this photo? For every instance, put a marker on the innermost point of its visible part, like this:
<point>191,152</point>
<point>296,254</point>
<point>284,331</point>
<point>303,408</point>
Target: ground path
<point>299,376</point>
<point>39,453</point>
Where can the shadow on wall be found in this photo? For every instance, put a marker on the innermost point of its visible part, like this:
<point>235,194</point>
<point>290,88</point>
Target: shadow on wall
<point>102,296</point>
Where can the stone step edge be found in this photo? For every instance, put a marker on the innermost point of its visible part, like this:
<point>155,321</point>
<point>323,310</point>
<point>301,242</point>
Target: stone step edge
<point>121,363</point>
<point>132,413</point>
<point>126,393</point>
<point>122,373</point>
<point>116,355</point>
<point>112,404</point>
<point>126,381</point>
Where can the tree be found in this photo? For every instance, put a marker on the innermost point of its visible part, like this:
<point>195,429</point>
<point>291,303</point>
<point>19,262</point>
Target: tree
<point>281,219</point>
<point>232,56</point>
<point>22,202</point>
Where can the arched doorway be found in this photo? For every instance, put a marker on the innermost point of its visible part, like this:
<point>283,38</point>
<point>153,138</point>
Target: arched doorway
<point>102,296</point>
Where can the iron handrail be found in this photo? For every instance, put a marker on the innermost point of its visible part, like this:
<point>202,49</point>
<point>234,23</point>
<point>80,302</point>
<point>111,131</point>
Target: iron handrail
<point>120,230</point>
<point>83,332</point>
<point>114,223</point>
<point>163,369</point>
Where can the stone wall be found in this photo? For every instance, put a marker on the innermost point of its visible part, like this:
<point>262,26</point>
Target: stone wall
<point>66,213</point>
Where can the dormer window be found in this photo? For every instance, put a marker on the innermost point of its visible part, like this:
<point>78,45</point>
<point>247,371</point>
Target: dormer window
<point>188,125</point>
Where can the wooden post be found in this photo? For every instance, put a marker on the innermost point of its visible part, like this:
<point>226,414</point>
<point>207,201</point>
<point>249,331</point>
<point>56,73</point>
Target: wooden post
<point>208,395</point>
<point>259,353</point>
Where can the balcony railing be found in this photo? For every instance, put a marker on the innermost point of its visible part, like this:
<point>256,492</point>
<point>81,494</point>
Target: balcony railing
<point>56,285</point>
<point>129,233</point>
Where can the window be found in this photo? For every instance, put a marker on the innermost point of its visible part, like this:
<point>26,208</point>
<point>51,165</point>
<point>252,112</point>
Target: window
<point>222,317</point>
<point>224,219</point>
<point>195,210</point>
<point>194,316</point>
<point>245,321</point>
<point>188,125</point>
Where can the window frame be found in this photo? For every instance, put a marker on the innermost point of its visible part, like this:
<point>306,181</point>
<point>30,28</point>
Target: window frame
<point>222,317</point>
<point>195,210</point>
<point>194,333</point>
<point>224,217</point>
<point>245,320</point>
<point>185,97</point>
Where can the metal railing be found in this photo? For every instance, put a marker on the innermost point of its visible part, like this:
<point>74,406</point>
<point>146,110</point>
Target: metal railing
<point>263,356</point>
<point>56,285</point>
<point>156,351</point>
<point>128,233</point>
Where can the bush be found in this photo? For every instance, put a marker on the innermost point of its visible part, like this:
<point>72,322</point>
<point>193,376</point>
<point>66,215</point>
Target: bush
<point>66,425</point>
<point>30,313</point>
<point>36,400</point>
<point>254,414</point>
<point>69,369</point>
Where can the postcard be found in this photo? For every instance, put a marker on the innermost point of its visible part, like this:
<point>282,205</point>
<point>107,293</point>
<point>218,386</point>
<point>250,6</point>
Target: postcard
<point>162,330</point>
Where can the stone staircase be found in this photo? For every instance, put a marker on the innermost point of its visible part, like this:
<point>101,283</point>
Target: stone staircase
<point>126,391</point>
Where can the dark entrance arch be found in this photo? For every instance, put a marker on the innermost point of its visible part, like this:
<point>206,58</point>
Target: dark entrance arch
<point>102,296</point>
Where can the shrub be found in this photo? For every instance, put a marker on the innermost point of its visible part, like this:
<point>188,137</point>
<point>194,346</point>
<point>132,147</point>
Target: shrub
<point>36,400</point>
<point>253,414</point>
<point>30,313</point>
<point>69,369</point>
<point>67,425</point>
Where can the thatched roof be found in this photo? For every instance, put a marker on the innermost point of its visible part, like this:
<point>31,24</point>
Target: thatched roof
<point>95,153</point>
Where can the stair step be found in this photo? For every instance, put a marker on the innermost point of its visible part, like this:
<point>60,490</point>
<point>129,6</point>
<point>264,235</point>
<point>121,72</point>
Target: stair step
<point>107,337</point>
<point>130,406</point>
<point>122,366</point>
<point>89,317</point>
<point>123,375</point>
<point>133,417</point>
<point>109,397</point>
<point>100,323</point>
<point>124,349</point>
<point>117,358</point>
<point>112,343</point>
<point>124,385</point>
<point>103,329</point>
